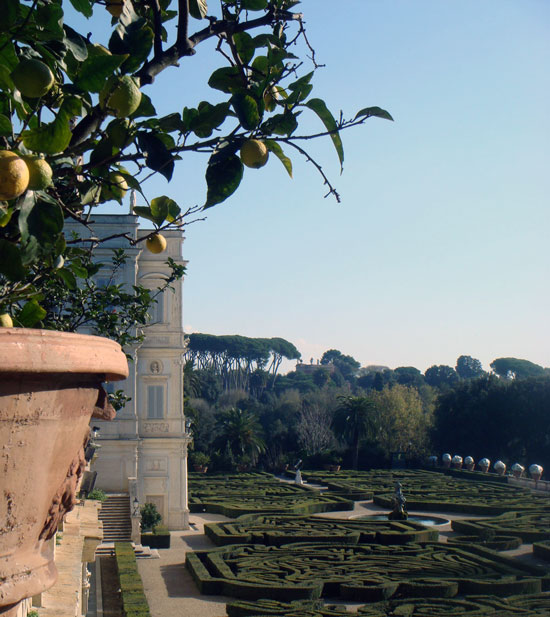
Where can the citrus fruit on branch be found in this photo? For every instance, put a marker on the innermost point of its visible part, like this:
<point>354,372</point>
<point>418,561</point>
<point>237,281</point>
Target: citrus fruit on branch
<point>254,153</point>
<point>115,187</point>
<point>156,243</point>
<point>120,96</point>
<point>40,172</point>
<point>6,321</point>
<point>14,175</point>
<point>32,78</point>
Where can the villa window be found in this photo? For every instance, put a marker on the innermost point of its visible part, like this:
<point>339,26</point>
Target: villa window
<point>155,402</point>
<point>157,310</point>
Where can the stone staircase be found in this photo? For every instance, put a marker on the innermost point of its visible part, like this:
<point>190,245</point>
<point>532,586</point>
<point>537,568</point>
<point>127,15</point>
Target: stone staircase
<point>117,527</point>
<point>115,516</point>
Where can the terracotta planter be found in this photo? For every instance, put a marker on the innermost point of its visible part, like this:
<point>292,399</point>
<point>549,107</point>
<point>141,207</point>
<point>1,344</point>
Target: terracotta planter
<point>50,385</point>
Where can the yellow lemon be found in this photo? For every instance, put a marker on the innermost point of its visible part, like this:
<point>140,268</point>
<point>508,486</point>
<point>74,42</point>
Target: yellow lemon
<point>6,321</point>
<point>14,175</point>
<point>254,153</point>
<point>156,243</point>
<point>40,172</point>
<point>32,78</point>
<point>120,96</point>
<point>115,187</point>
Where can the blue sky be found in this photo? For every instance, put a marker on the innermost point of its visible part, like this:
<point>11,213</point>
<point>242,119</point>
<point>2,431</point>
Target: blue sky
<point>440,246</point>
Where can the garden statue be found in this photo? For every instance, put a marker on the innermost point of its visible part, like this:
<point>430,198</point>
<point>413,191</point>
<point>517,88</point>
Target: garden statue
<point>500,468</point>
<point>298,477</point>
<point>446,458</point>
<point>399,512</point>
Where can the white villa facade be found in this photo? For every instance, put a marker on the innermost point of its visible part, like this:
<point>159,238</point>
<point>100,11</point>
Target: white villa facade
<point>148,439</point>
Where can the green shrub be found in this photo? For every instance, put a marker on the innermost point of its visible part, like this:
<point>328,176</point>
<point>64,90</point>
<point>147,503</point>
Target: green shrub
<point>98,494</point>
<point>133,597</point>
<point>150,516</point>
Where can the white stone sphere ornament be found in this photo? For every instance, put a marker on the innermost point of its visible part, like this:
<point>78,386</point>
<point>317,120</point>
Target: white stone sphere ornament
<point>535,471</point>
<point>484,464</point>
<point>517,470</point>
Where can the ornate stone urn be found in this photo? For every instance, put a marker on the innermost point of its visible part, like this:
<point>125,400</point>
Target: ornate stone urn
<point>50,385</point>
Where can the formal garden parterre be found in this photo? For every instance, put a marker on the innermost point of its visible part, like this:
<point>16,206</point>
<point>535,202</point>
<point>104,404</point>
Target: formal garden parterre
<point>431,491</point>
<point>277,559</point>
<point>278,529</point>
<point>235,494</point>
<point>534,605</point>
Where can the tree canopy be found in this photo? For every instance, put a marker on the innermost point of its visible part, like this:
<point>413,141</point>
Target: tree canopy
<point>515,368</point>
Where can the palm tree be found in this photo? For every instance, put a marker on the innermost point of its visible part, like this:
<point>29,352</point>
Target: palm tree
<point>354,419</point>
<point>241,431</point>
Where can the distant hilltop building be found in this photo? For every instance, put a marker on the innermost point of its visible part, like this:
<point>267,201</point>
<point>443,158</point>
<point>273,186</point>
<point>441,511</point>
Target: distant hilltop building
<point>148,439</point>
<point>313,366</point>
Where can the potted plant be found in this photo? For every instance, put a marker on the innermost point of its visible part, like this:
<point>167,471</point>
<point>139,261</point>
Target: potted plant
<point>77,129</point>
<point>200,461</point>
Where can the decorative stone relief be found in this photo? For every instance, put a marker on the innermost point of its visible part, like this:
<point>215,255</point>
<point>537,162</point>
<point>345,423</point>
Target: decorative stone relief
<point>155,367</point>
<point>156,427</point>
<point>65,498</point>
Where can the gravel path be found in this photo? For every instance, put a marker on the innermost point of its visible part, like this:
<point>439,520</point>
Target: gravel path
<point>170,590</point>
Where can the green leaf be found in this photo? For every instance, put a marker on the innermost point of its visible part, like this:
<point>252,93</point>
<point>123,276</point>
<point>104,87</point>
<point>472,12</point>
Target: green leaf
<point>136,40</point>
<point>207,118</point>
<point>157,156</point>
<point>30,314</point>
<point>11,265</point>
<point>320,108</point>
<point>5,126</point>
<point>245,46</point>
<point>198,8</point>
<point>145,109</point>
<point>247,111</point>
<point>144,212</point>
<point>254,5</point>
<point>274,147</point>
<point>9,14</point>
<point>95,70</point>
<point>228,79</point>
<point>83,6</point>
<point>75,43</point>
<point>6,213</point>
<point>68,277</point>
<point>54,137</point>
<point>376,112</point>
<point>159,209</point>
<point>281,124</point>
<point>222,178</point>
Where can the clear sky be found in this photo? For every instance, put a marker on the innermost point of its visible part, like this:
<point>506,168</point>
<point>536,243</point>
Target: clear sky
<point>440,246</point>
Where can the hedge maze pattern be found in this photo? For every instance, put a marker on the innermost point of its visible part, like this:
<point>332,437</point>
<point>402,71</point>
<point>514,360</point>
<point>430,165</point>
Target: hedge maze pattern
<point>430,491</point>
<point>529,526</point>
<point>535,605</point>
<point>367,572</point>
<point>278,529</point>
<point>235,494</point>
